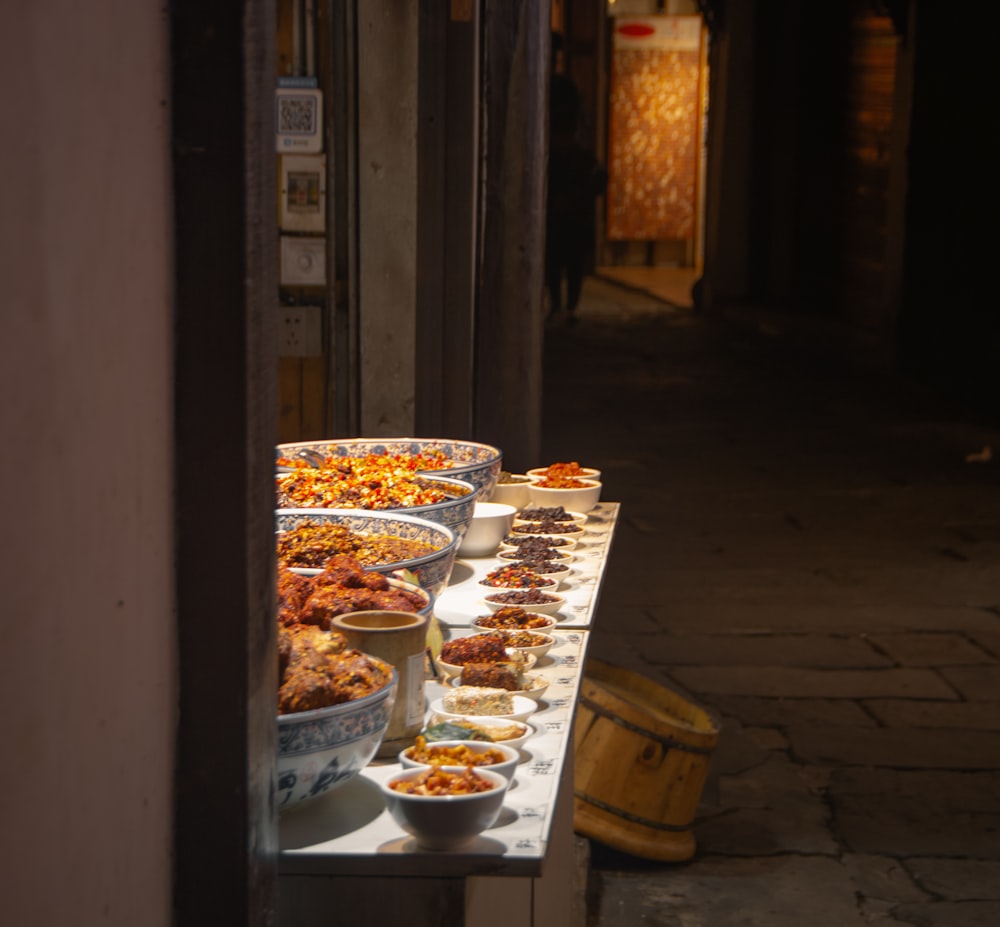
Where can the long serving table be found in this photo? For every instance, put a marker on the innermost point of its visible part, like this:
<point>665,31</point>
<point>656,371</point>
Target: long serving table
<point>342,852</point>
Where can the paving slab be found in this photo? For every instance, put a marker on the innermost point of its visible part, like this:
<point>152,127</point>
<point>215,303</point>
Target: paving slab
<point>782,712</point>
<point>812,650</point>
<point>989,638</point>
<point>941,648</point>
<point>966,716</point>
<point>949,914</point>
<point>896,747</point>
<point>783,681</point>
<point>698,603</point>
<point>917,813</point>
<point>975,682</point>
<point>958,879</point>
<point>883,878</point>
<point>770,891</point>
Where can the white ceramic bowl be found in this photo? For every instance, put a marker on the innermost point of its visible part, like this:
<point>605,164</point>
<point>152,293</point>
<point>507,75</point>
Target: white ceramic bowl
<point>538,581</point>
<point>321,749</point>
<point>532,643</point>
<point>556,569</point>
<point>506,765</point>
<point>554,553</point>
<point>498,729</point>
<point>514,493</point>
<point>449,670</point>
<point>534,686</point>
<point>537,513</point>
<point>444,822</point>
<point>562,529</point>
<point>587,473</point>
<point>432,570</point>
<point>308,489</point>
<point>489,526</point>
<point>531,621</point>
<point>523,706</point>
<point>566,542</point>
<point>479,464</point>
<point>549,606</point>
<point>580,499</point>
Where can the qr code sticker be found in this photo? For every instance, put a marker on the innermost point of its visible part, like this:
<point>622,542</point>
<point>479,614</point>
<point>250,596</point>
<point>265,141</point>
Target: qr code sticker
<point>297,115</point>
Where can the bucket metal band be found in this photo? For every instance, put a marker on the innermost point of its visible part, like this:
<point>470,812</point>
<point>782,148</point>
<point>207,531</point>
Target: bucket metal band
<point>628,816</point>
<point>669,742</point>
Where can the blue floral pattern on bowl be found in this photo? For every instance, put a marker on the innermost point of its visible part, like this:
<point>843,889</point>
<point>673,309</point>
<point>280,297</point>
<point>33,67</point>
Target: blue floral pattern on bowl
<point>318,750</point>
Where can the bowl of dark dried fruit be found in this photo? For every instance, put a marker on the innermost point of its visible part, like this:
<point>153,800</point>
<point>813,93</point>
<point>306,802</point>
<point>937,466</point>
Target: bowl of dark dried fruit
<point>536,542</point>
<point>537,600</point>
<point>550,513</point>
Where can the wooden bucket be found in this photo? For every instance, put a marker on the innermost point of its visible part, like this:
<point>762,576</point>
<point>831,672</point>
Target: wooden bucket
<point>641,755</point>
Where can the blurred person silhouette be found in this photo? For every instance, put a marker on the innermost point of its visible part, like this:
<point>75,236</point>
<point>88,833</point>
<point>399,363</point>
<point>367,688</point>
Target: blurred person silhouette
<point>575,180</point>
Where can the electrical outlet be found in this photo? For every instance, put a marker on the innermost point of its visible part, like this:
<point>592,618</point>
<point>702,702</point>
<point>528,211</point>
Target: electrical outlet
<point>300,331</point>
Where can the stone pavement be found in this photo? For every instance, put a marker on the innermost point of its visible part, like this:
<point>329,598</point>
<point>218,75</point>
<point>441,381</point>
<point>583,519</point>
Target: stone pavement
<point>811,551</point>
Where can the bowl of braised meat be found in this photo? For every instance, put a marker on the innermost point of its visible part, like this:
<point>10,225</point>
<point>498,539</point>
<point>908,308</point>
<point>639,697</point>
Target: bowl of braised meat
<point>334,705</point>
<point>384,542</point>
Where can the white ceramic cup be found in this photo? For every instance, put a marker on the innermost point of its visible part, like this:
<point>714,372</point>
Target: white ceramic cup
<point>491,521</point>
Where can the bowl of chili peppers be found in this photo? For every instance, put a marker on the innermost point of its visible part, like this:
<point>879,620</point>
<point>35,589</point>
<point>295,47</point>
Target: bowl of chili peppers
<point>476,463</point>
<point>377,485</point>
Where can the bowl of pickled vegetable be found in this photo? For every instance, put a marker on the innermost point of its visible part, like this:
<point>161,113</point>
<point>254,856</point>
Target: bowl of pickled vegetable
<point>479,727</point>
<point>456,755</point>
<point>444,809</point>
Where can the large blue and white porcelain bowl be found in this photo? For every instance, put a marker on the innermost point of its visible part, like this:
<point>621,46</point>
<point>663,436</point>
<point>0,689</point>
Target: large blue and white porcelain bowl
<point>321,749</point>
<point>454,511</point>
<point>477,463</point>
<point>432,570</point>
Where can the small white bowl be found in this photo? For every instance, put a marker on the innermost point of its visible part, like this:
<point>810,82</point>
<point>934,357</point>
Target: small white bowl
<point>515,494</point>
<point>534,686</point>
<point>445,822</point>
<point>550,585</point>
<point>559,556</point>
<point>524,707</point>
<point>543,642</point>
<point>568,529</point>
<point>568,543</point>
<point>496,728</point>
<point>549,606</point>
<point>506,765</point>
<point>526,661</point>
<point>574,499</point>
<point>533,621</point>
<point>556,569</point>
<point>587,473</point>
<point>537,513</point>
<point>491,522</point>
<point>538,582</point>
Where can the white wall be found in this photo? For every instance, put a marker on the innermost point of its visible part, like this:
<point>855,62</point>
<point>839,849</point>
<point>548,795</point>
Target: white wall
<point>86,621</point>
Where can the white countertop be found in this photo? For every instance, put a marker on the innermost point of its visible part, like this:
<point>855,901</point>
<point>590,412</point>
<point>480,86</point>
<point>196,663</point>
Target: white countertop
<point>462,601</point>
<point>348,831</point>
